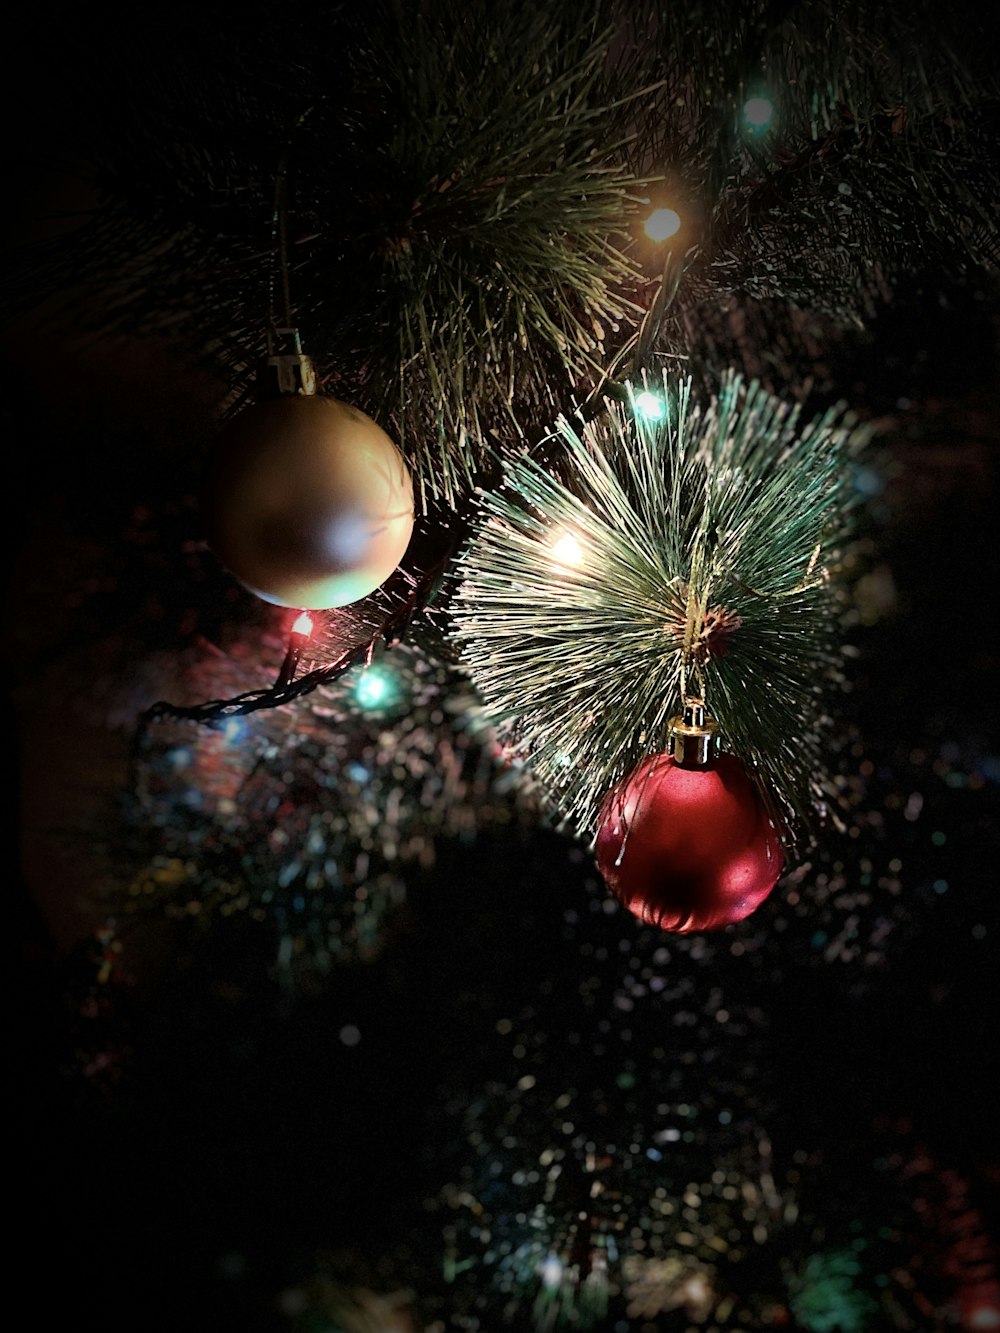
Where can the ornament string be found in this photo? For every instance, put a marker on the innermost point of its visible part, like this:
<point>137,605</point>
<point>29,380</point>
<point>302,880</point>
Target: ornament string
<point>279,235</point>
<point>808,580</point>
<point>697,600</point>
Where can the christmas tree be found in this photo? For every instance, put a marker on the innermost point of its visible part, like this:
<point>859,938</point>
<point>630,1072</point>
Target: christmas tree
<point>500,666</point>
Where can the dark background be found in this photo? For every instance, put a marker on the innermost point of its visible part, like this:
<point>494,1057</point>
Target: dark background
<point>230,1136</point>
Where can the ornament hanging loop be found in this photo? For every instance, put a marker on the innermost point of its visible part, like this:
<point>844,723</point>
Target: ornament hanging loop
<point>694,737</point>
<point>287,371</point>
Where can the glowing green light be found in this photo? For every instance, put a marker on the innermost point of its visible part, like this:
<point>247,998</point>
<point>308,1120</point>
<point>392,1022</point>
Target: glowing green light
<point>758,112</point>
<point>375,688</point>
<point>650,405</point>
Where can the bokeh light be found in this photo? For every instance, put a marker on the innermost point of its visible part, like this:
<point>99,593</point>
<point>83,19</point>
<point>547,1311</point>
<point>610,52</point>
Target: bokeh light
<point>661,224</point>
<point>758,113</point>
<point>376,687</point>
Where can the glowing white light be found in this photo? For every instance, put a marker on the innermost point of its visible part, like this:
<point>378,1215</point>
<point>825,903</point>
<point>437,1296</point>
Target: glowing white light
<point>696,1294</point>
<point>552,1271</point>
<point>303,624</point>
<point>757,111</point>
<point>662,223</point>
<point>567,550</point>
<point>650,405</point>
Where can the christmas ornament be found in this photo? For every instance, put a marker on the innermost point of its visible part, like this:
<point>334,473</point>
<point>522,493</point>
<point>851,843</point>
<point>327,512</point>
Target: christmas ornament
<point>685,842</point>
<point>305,499</point>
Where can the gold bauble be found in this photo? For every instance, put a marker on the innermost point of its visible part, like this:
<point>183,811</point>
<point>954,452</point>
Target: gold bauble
<point>307,502</point>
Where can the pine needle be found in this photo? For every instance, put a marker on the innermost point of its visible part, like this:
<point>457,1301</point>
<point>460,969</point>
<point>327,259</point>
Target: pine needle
<point>696,555</point>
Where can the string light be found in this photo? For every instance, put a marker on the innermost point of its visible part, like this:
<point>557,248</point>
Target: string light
<point>650,406</point>
<point>566,550</point>
<point>376,687</point>
<point>299,636</point>
<point>661,224</point>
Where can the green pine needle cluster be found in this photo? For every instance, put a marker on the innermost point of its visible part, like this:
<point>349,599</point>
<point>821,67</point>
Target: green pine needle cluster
<point>694,555</point>
<point>464,184</point>
<point>503,255</point>
<point>456,215</point>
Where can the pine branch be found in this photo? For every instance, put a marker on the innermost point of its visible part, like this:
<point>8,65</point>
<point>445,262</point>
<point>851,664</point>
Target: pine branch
<point>693,555</point>
<point>464,194</point>
<point>356,796</point>
<point>457,217</point>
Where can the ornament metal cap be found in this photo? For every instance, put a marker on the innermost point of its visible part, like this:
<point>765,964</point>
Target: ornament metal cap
<point>694,737</point>
<point>287,370</point>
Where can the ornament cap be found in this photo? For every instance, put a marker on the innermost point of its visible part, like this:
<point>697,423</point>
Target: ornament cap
<point>694,736</point>
<point>287,371</point>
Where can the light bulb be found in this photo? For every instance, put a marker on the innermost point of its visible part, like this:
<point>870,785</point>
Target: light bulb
<point>567,550</point>
<point>298,637</point>
<point>650,405</point>
<point>376,687</point>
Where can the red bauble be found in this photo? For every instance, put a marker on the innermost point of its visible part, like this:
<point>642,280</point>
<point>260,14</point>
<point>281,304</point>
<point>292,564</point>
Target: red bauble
<point>688,849</point>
